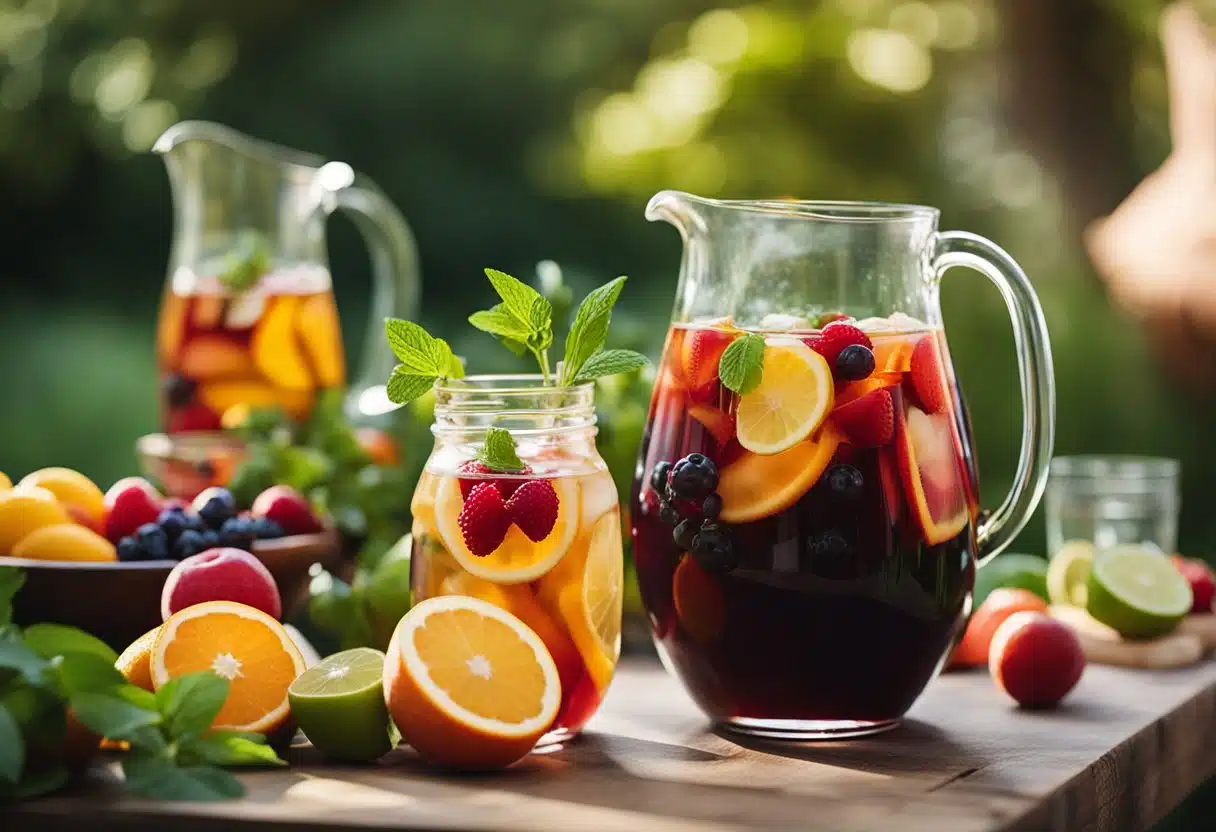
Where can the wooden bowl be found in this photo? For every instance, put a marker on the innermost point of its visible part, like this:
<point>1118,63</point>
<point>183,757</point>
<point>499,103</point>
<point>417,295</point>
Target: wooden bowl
<point>119,602</point>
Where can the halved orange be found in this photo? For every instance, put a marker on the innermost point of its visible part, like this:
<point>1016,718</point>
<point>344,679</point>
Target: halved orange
<point>757,485</point>
<point>240,643</point>
<point>136,661</point>
<point>517,559</point>
<point>794,396</point>
<point>468,684</point>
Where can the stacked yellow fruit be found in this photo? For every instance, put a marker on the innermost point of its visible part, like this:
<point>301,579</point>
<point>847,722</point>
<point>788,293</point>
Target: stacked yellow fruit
<point>52,514</point>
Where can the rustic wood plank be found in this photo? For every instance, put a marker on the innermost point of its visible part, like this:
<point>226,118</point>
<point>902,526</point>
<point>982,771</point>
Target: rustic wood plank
<point>1127,747</point>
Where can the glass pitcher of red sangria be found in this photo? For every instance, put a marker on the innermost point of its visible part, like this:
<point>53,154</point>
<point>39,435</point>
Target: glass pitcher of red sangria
<point>805,519</point>
<point>248,316</point>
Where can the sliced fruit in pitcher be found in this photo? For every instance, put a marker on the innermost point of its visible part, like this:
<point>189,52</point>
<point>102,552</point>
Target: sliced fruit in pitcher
<point>517,559</point>
<point>214,356</point>
<point>170,328</point>
<point>219,396</point>
<point>794,396</point>
<point>928,376</point>
<point>758,485</point>
<point>929,466</point>
<point>718,422</point>
<point>276,351</point>
<point>869,421</point>
<point>700,352</point>
<point>321,332</point>
<point>700,608</point>
<point>893,355</point>
<point>855,390</point>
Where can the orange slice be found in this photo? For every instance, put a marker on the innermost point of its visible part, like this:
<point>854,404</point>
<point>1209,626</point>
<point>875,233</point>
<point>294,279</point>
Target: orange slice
<point>170,327</point>
<point>791,401</point>
<point>319,330</point>
<point>240,643</point>
<point>468,684</point>
<point>517,559</point>
<point>221,396</point>
<point>276,351</point>
<point>929,464</point>
<point>214,356</point>
<point>756,486</point>
<point>136,661</point>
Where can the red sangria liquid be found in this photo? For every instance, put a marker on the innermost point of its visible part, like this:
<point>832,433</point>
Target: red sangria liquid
<point>806,549</point>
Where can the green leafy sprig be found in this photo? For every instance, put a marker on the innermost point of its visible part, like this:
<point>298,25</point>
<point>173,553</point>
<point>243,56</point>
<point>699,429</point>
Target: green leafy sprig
<point>499,454</point>
<point>742,363</point>
<point>523,322</point>
<point>49,671</point>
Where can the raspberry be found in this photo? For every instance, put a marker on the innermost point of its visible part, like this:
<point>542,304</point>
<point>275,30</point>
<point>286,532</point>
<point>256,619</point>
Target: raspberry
<point>192,417</point>
<point>506,486</point>
<point>928,376</point>
<point>835,337</point>
<point>484,520</point>
<point>533,508</point>
<point>868,421</point>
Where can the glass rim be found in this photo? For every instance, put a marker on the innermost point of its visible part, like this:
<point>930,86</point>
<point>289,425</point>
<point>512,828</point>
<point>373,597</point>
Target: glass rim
<point>828,210</point>
<point>508,383</point>
<point>1115,466</point>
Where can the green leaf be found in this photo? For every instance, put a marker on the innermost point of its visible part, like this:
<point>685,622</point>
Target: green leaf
<point>12,747</point>
<point>449,365</point>
<point>499,321</point>
<point>499,453</point>
<point>405,387</point>
<point>11,581</point>
<point>88,673</point>
<point>16,656</point>
<point>590,327</point>
<point>190,703</point>
<point>742,364</point>
<point>225,748</point>
<point>419,352</point>
<point>246,262</point>
<point>158,777</point>
<point>111,716</point>
<point>40,781</point>
<point>609,363</point>
<point>50,640</point>
<point>521,301</point>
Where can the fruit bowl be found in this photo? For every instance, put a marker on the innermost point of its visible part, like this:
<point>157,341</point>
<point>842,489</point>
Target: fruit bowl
<point>185,464</point>
<point>118,602</point>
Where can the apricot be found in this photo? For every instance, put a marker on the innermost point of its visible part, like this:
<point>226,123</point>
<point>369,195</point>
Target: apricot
<point>1036,659</point>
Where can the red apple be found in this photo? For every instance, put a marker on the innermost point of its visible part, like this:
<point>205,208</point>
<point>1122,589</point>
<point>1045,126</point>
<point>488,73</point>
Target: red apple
<point>130,502</point>
<point>1036,659</point>
<point>287,507</point>
<point>223,574</point>
<point>1201,579</point>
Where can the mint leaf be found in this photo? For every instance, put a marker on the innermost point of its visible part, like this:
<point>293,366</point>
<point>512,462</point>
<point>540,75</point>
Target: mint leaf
<point>499,453</point>
<point>11,580</point>
<point>742,364</point>
<point>50,640</point>
<point>111,716</point>
<point>423,359</point>
<point>12,747</point>
<point>521,301</point>
<point>190,703</point>
<point>246,262</point>
<point>87,673</point>
<point>16,656</point>
<point>609,363</point>
<point>226,748</point>
<point>499,321</point>
<point>590,327</point>
<point>159,777</point>
<point>403,387</point>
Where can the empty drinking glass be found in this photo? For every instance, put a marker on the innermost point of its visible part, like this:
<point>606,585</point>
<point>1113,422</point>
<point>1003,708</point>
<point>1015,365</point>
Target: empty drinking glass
<point>1113,500</point>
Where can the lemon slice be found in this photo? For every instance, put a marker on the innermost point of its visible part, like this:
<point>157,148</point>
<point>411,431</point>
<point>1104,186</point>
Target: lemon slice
<point>517,559</point>
<point>591,604</point>
<point>794,396</point>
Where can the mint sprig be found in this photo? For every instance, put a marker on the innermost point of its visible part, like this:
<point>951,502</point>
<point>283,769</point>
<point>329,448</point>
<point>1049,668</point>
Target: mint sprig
<point>741,366</point>
<point>499,454</point>
<point>246,262</point>
<point>610,363</point>
<point>423,358</point>
<point>523,321</point>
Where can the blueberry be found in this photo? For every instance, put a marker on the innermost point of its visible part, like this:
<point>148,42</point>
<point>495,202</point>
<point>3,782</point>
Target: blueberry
<point>173,522</point>
<point>129,549</point>
<point>685,533</point>
<point>711,507</point>
<point>845,481</point>
<point>211,538</point>
<point>668,514</point>
<point>854,362</point>
<point>153,541</point>
<point>658,477</point>
<point>694,477</point>
<point>237,532</point>
<point>178,390</point>
<point>266,529</point>
<point>193,522</point>
<point>189,543</point>
<point>215,505</point>
<point>713,549</point>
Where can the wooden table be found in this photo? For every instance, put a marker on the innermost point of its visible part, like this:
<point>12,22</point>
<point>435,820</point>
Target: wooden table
<point>1127,747</point>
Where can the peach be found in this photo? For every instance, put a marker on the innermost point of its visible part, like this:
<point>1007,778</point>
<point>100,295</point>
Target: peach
<point>130,502</point>
<point>287,507</point>
<point>1000,604</point>
<point>223,574</point>
<point>1036,659</point>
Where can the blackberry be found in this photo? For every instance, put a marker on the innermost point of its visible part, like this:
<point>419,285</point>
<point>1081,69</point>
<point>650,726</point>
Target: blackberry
<point>668,514</point>
<point>713,550</point>
<point>711,506</point>
<point>694,477</point>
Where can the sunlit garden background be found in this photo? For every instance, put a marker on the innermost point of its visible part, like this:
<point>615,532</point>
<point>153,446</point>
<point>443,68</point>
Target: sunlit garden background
<point>511,133</point>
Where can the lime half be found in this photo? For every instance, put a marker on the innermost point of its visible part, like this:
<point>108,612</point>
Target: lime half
<point>339,705</point>
<point>1137,591</point>
<point>1068,573</point>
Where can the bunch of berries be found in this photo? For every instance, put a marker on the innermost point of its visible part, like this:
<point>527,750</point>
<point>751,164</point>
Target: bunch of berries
<point>690,503</point>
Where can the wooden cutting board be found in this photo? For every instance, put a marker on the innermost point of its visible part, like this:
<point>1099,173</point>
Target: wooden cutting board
<point>1102,645</point>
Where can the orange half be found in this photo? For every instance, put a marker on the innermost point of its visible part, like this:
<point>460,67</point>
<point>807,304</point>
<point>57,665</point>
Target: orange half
<point>759,485</point>
<point>468,684</point>
<point>240,643</point>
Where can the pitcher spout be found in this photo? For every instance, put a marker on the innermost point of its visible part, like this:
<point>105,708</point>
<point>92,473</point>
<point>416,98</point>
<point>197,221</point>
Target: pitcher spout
<point>683,210</point>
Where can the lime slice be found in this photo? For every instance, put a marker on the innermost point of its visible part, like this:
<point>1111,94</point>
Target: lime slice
<point>339,705</point>
<point>1068,573</point>
<point>1137,591</point>
<point>1014,571</point>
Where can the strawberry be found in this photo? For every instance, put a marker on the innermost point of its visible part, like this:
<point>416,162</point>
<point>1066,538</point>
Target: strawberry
<point>484,521</point>
<point>534,509</point>
<point>506,486</point>
<point>927,376</point>
<point>835,337</point>
<point>868,421</point>
<point>699,355</point>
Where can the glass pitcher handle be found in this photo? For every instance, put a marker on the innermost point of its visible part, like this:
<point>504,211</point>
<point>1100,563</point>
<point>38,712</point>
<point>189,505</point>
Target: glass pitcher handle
<point>394,259</point>
<point>1035,373</point>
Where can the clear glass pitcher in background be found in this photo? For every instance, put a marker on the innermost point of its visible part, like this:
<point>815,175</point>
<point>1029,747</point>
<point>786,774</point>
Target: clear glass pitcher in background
<point>248,316</point>
<point>805,517</point>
